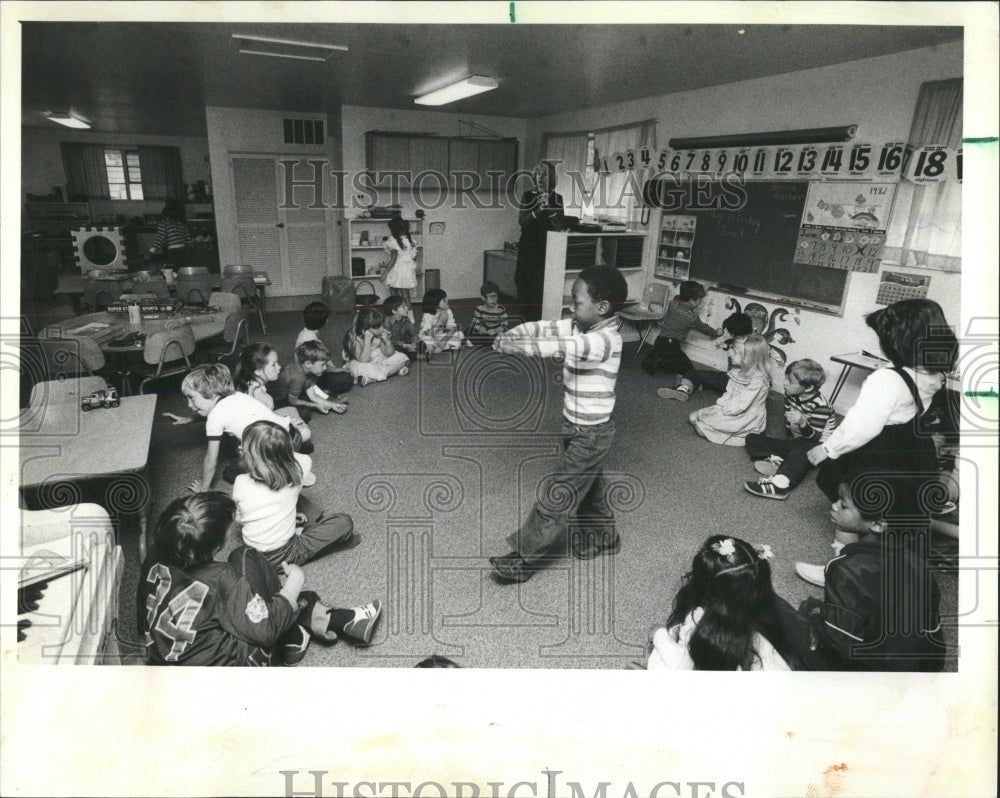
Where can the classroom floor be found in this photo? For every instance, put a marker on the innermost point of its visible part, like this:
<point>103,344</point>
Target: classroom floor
<point>438,467</point>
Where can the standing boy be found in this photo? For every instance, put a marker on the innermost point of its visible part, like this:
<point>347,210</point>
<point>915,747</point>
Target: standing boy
<point>591,348</point>
<point>809,420</point>
<point>667,356</point>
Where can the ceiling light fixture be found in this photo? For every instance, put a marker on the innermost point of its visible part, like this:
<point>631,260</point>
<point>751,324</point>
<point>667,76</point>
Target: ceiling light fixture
<point>68,119</point>
<point>468,87</point>
<point>285,48</point>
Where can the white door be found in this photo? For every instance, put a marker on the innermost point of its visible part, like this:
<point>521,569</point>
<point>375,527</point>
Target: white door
<point>294,246</point>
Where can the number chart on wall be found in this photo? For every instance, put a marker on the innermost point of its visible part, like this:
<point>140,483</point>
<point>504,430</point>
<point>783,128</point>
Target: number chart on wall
<point>844,225</point>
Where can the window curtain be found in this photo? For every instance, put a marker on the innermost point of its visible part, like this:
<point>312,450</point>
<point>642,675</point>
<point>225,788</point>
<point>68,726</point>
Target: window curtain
<point>569,153</point>
<point>86,173</point>
<point>161,173</point>
<point>622,189</point>
<point>933,212</point>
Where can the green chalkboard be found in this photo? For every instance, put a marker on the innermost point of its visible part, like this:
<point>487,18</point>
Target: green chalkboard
<point>747,236</point>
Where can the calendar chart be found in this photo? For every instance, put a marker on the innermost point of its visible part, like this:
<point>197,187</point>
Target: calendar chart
<point>844,225</point>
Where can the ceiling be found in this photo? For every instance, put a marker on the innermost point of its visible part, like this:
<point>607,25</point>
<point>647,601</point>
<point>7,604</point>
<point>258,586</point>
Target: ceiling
<point>157,78</point>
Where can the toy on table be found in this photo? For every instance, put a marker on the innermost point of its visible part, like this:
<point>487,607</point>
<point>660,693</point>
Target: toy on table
<point>106,398</point>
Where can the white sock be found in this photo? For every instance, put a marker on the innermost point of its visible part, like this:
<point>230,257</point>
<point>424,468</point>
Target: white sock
<point>837,546</point>
<point>780,481</point>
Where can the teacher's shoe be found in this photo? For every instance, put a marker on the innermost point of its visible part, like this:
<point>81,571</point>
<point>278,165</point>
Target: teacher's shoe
<point>591,547</point>
<point>511,568</point>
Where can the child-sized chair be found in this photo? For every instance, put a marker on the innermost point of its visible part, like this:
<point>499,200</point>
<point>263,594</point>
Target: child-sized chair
<point>648,312</point>
<point>194,285</point>
<point>242,284</point>
<point>163,354</point>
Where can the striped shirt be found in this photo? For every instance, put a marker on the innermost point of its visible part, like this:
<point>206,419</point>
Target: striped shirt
<point>488,321</point>
<point>681,318</point>
<point>171,234</point>
<point>817,411</point>
<point>590,367</point>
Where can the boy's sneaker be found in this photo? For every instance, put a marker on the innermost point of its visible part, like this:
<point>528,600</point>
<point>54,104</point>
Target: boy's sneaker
<point>681,393</point>
<point>511,568</point>
<point>768,467</point>
<point>292,645</point>
<point>363,626</point>
<point>813,574</point>
<point>766,489</point>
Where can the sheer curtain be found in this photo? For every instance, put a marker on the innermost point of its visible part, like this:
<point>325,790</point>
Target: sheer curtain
<point>933,237</point>
<point>86,173</point>
<point>622,189</point>
<point>161,173</point>
<point>569,153</point>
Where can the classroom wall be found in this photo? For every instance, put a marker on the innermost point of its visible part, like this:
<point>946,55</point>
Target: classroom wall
<point>42,166</point>
<point>877,94</point>
<point>469,230</point>
<point>245,131</point>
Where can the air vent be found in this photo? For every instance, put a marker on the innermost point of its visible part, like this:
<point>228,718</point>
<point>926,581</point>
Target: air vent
<point>629,253</point>
<point>303,131</point>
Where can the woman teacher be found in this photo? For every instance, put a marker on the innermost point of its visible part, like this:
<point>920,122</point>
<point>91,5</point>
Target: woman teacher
<point>541,211</point>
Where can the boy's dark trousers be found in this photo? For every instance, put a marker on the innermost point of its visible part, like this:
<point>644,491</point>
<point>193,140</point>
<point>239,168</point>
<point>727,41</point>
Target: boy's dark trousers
<point>335,382</point>
<point>667,357</point>
<point>574,494</point>
<point>794,451</point>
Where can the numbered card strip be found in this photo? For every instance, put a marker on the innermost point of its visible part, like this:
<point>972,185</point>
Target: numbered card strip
<point>848,161</point>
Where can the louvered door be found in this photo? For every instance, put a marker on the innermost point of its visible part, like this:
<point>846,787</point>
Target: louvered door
<point>292,245</point>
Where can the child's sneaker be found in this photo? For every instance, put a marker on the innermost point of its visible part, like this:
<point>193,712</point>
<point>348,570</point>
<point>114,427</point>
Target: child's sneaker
<point>404,371</point>
<point>813,574</point>
<point>681,393</point>
<point>363,626</point>
<point>768,467</point>
<point>766,489</point>
<point>292,645</point>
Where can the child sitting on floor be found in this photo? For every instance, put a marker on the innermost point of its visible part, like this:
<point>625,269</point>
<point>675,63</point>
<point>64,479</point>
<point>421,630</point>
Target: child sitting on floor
<point>742,409</point>
<point>399,323</point>
<point>210,393</point>
<point>880,606</point>
<point>259,366</point>
<point>725,616</point>
<point>235,612</point>
<point>297,382</point>
<point>667,356</point>
<point>809,420</point>
<point>333,380</point>
<point>276,519</point>
<point>490,318</point>
<point>369,352</point>
<point>438,330</point>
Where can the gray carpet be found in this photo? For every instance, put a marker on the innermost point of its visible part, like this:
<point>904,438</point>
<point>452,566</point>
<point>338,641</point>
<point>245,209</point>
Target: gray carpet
<point>437,467</point>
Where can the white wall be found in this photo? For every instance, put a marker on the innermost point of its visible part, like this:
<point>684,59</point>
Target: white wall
<point>469,230</point>
<point>244,130</point>
<point>877,94</point>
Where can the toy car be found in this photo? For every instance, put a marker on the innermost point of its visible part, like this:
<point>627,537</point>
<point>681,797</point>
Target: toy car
<point>107,398</point>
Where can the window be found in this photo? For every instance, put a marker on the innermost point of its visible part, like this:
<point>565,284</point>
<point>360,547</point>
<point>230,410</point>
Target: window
<point>303,131</point>
<point>124,175</point>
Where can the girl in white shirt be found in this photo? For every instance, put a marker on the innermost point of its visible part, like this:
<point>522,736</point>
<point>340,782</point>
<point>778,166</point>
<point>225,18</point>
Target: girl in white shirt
<point>257,367</point>
<point>725,616</point>
<point>275,519</point>
<point>880,431</point>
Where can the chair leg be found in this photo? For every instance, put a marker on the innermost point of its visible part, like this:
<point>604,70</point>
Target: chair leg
<point>645,335</point>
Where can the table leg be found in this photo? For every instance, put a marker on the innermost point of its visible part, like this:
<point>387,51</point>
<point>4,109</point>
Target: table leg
<point>844,371</point>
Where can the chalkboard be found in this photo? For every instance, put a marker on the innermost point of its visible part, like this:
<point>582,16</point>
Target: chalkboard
<point>745,236</point>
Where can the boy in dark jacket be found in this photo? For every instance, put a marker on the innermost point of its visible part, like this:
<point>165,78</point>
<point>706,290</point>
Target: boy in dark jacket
<point>879,610</point>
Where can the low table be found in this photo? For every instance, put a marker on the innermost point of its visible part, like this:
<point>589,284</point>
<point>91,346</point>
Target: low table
<point>64,451</point>
<point>72,285</point>
<point>203,325</point>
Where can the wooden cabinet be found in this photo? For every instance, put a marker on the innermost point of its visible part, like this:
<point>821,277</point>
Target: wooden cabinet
<point>567,253</point>
<point>366,237</point>
<point>414,153</point>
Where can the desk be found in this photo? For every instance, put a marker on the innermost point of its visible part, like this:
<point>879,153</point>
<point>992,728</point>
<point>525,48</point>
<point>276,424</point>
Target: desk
<point>62,446</point>
<point>203,325</point>
<point>868,363</point>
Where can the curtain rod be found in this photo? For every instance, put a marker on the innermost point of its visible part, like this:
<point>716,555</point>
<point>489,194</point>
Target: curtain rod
<point>816,135</point>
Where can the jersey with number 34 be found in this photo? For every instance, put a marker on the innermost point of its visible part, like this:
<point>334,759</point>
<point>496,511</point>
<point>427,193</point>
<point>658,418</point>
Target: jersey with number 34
<point>208,616</point>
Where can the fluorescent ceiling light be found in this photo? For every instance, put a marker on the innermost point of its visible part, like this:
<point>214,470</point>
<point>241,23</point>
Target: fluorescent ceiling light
<point>68,118</point>
<point>472,85</point>
<point>286,48</point>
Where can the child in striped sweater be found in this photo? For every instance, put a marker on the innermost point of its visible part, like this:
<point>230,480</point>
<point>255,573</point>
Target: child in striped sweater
<point>809,420</point>
<point>591,348</point>
<point>490,318</point>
